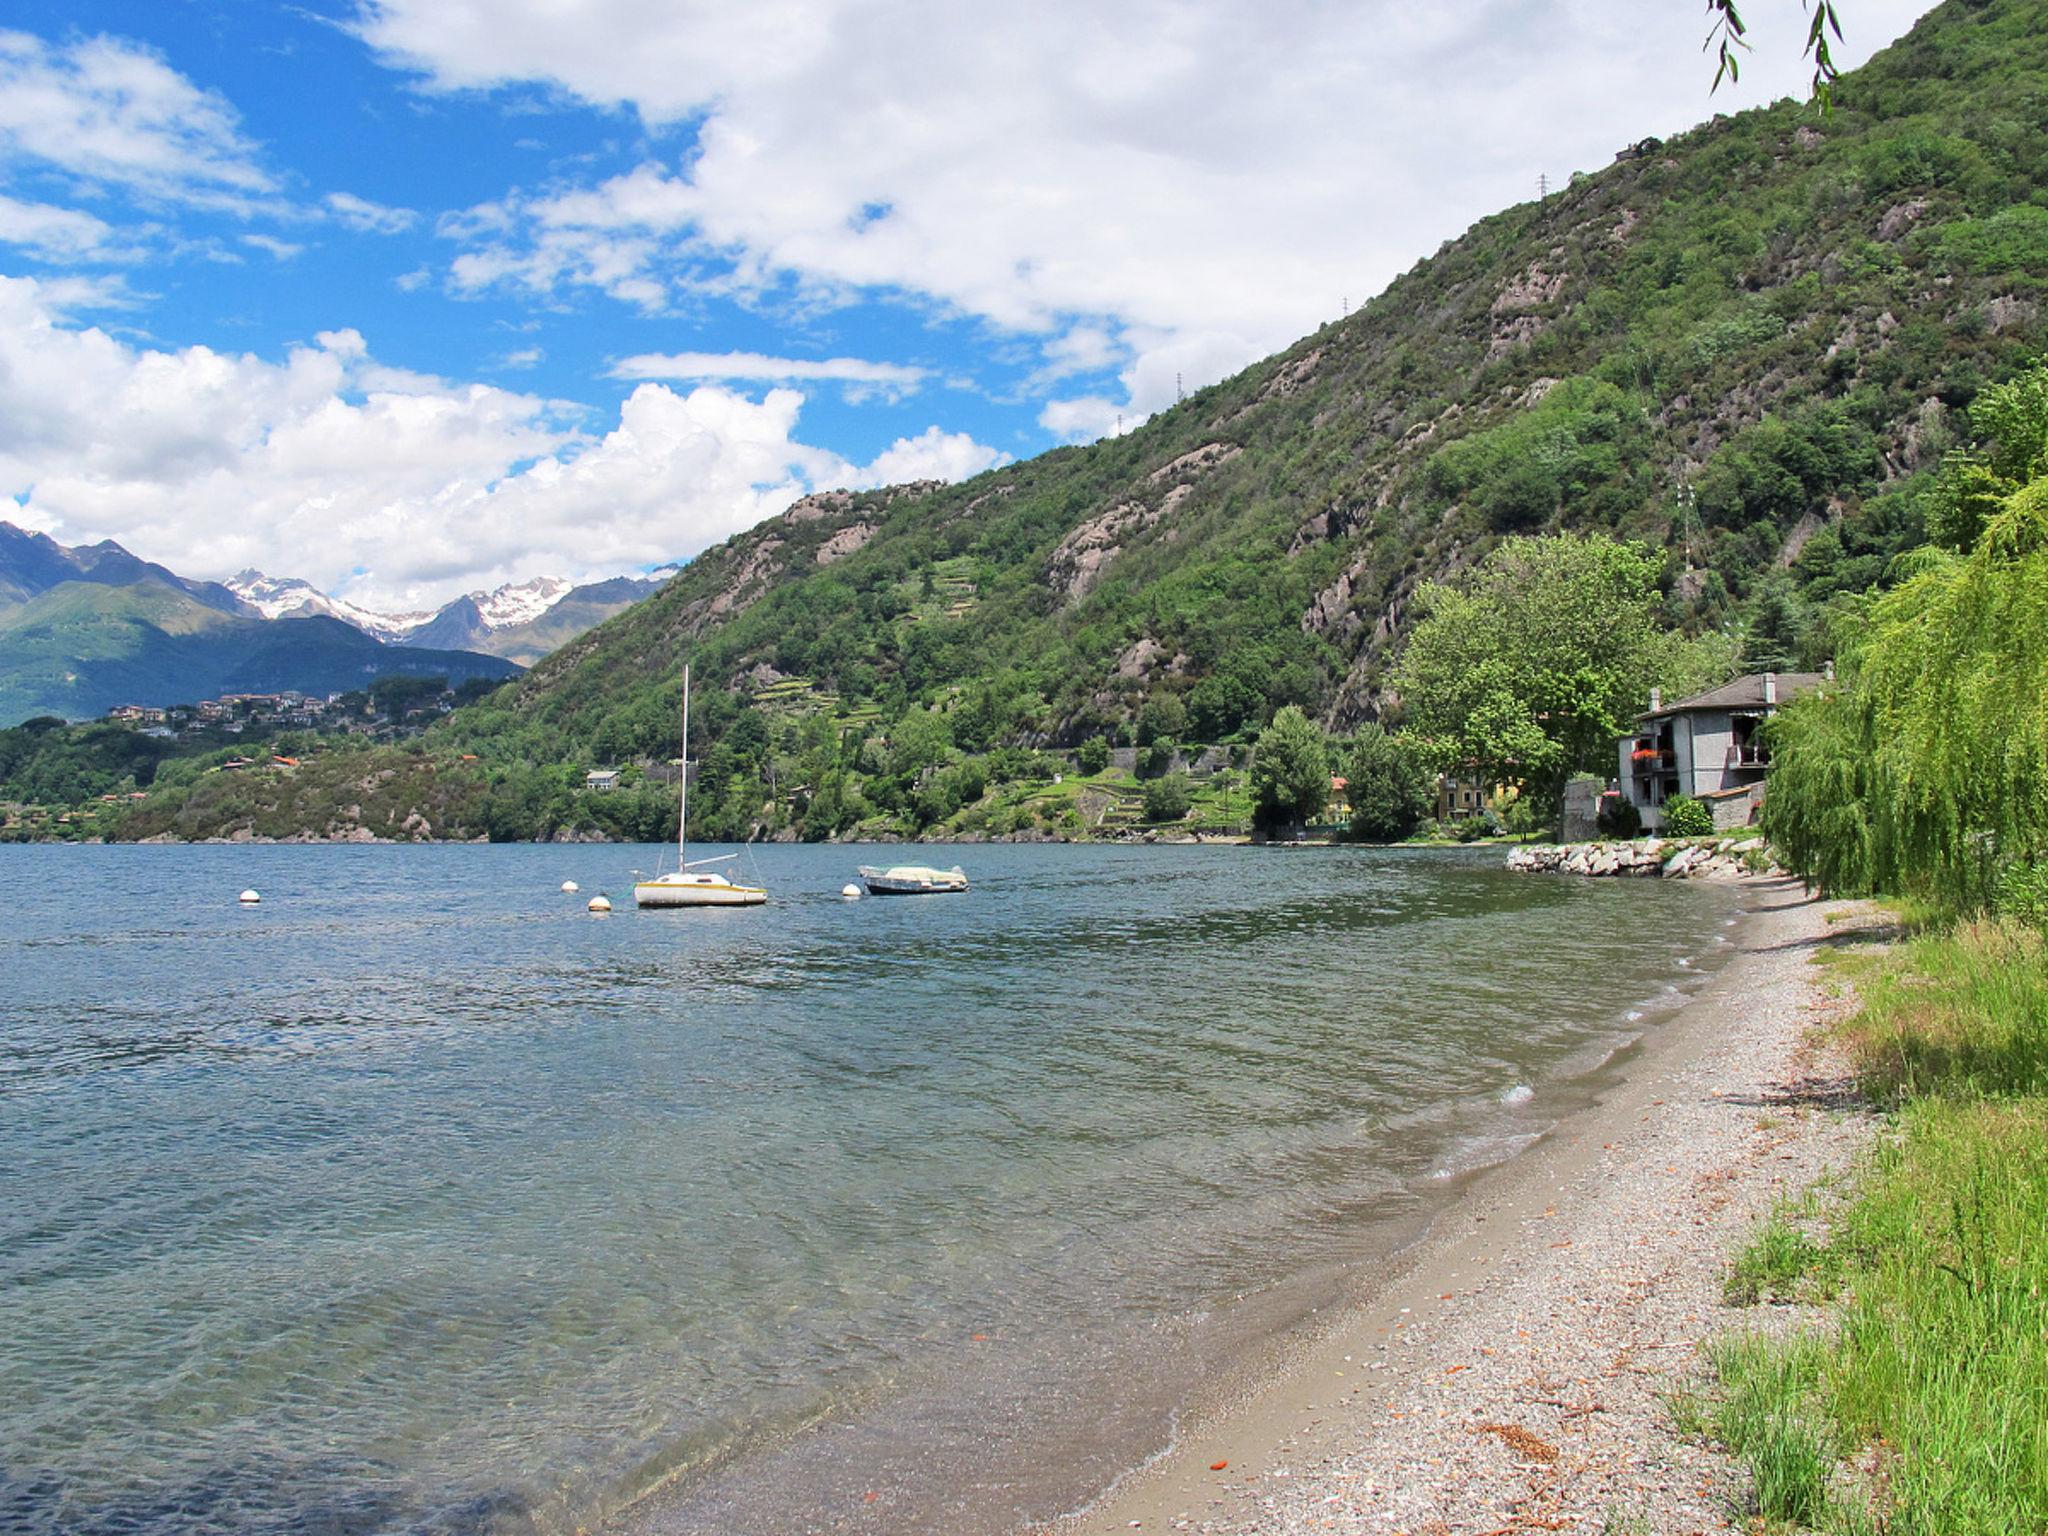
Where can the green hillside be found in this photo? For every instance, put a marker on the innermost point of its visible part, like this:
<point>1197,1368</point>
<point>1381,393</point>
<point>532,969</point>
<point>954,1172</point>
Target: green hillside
<point>1739,344</point>
<point>1746,345</point>
<point>79,648</point>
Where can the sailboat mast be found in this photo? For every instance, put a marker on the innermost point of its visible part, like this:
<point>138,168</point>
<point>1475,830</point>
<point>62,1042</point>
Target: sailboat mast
<point>683,805</point>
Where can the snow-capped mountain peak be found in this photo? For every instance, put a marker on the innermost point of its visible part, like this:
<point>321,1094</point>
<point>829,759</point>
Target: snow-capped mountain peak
<point>519,602</point>
<point>287,597</point>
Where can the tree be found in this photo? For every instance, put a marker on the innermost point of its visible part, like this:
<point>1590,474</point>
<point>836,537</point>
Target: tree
<point>1926,771</point>
<point>1728,29</point>
<point>1527,670</point>
<point>1164,718</point>
<point>1167,799</point>
<point>1389,790</point>
<point>1093,755</point>
<point>1290,771</point>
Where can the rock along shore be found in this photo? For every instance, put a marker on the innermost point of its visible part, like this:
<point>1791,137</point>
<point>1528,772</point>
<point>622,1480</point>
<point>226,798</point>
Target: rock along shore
<point>1686,859</point>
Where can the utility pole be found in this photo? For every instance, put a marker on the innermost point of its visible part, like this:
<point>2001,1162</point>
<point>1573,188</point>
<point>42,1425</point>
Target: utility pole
<point>1119,423</point>
<point>1179,394</point>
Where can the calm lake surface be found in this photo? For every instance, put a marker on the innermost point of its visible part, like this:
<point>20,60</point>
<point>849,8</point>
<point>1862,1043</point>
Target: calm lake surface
<point>419,1199</point>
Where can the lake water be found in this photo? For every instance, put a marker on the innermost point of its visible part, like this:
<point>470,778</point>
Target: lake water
<point>418,1199</point>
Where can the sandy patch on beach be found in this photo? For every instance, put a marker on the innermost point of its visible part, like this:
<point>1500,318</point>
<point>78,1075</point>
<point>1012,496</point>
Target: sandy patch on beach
<point>1515,1376</point>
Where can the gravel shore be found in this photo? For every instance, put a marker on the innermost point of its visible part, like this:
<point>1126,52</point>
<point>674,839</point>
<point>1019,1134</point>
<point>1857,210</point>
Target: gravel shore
<point>1515,1376</point>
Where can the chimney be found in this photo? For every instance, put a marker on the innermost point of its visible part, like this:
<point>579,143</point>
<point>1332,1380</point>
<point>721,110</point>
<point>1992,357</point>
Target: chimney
<point>1656,700</point>
<point>1770,689</point>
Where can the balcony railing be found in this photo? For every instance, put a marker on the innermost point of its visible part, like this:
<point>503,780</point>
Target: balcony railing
<point>1748,754</point>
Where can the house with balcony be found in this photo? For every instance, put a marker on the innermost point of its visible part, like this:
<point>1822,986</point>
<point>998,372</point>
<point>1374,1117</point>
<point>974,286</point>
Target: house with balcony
<point>1709,746</point>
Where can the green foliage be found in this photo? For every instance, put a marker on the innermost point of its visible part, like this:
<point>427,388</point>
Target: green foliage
<point>1686,817</point>
<point>1093,755</point>
<point>1562,451</point>
<point>1389,789</point>
<point>1619,818</point>
<point>1928,773</point>
<point>1527,670</point>
<point>1168,798</point>
<point>1290,771</point>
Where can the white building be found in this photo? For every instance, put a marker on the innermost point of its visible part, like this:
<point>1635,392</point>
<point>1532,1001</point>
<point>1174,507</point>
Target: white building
<point>1708,747</point>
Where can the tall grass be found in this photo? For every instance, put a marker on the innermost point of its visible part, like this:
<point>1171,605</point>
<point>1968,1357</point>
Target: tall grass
<point>1957,1015</point>
<point>1943,1355</point>
<point>1939,1369</point>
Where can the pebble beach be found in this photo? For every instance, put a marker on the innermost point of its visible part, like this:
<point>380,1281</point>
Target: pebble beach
<point>1515,1374</point>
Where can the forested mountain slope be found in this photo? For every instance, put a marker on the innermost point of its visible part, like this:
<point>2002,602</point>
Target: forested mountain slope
<point>1738,344</point>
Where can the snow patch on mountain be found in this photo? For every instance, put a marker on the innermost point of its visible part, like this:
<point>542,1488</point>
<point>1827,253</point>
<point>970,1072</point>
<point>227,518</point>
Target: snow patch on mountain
<point>287,597</point>
<point>519,602</point>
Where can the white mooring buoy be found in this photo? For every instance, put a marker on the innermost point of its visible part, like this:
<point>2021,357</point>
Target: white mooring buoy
<point>571,887</point>
<point>850,892</point>
<point>599,904</point>
<point>249,898</point>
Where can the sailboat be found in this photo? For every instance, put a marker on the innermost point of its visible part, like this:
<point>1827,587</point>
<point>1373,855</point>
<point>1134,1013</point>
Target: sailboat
<point>690,884</point>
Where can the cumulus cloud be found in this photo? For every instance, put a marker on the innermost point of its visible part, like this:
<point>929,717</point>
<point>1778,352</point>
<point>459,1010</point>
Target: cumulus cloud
<point>110,112</point>
<point>1207,181</point>
<point>394,488</point>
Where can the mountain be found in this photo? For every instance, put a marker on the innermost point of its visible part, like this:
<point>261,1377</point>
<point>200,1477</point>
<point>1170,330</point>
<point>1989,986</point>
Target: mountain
<point>286,597</point>
<point>520,621</point>
<point>1747,345</point>
<point>78,648</point>
<point>1743,344</point>
<point>32,563</point>
<point>526,622</point>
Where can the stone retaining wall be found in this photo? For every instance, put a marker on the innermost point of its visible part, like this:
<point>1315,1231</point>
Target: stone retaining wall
<point>1707,858</point>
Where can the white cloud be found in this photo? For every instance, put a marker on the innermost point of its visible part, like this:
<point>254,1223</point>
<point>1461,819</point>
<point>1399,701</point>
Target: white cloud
<point>110,112</point>
<point>393,488</point>
<point>51,233</point>
<point>756,365</point>
<point>1208,182</point>
<point>523,358</point>
<point>283,250</point>
<point>369,218</point>
<point>864,379</point>
<point>931,455</point>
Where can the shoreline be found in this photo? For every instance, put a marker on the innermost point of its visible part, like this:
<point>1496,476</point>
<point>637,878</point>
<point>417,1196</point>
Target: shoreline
<point>1508,1369</point>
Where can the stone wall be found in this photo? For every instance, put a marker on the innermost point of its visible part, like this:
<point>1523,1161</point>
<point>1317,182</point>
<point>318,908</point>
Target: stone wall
<point>1651,856</point>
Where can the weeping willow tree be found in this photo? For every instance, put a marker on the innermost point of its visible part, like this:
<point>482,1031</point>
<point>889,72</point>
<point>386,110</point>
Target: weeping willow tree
<point>1926,770</point>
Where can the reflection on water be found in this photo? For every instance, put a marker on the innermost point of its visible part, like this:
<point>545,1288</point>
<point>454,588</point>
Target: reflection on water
<point>417,1198</point>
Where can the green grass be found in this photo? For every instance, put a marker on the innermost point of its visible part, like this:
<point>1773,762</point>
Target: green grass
<point>1772,1414</point>
<point>1938,1369</point>
<point>1960,1015</point>
<point>1776,1265</point>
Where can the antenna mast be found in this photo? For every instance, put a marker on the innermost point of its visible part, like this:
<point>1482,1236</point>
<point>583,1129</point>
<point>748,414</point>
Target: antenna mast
<point>683,805</point>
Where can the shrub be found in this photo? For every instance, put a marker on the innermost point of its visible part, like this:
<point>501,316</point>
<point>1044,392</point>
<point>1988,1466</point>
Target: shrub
<point>1094,755</point>
<point>1167,799</point>
<point>1618,817</point>
<point>1687,817</point>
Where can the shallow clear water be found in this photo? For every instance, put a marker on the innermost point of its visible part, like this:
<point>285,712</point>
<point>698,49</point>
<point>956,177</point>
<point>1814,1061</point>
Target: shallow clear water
<point>417,1198</point>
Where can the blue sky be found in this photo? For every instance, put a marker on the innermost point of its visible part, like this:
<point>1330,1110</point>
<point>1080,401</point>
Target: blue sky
<point>413,296</point>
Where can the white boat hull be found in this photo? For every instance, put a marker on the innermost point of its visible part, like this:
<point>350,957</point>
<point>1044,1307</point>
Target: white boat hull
<point>661,893</point>
<point>913,881</point>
